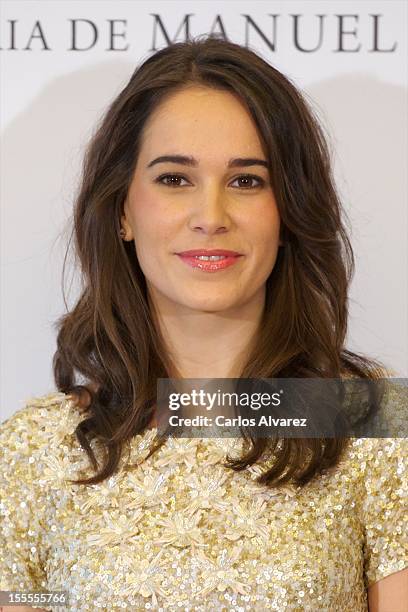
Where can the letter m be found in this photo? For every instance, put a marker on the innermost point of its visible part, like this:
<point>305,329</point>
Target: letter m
<point>159,24</point>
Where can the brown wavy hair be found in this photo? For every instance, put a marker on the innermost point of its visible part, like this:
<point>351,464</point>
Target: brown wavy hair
<point>111,339</point>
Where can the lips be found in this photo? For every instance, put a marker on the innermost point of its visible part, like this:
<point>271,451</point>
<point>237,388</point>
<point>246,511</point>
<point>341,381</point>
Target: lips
<point>225,259</point>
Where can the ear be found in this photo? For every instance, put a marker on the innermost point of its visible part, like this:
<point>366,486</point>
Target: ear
<point>126,225</point>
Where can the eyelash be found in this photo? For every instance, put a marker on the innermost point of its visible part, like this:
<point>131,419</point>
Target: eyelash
<point>246,176</point>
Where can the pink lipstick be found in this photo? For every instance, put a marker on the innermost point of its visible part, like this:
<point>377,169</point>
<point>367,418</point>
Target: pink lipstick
<point>210,260</point>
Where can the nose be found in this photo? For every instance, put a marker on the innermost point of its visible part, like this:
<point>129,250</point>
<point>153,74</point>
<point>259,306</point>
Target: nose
<point>209,211</point>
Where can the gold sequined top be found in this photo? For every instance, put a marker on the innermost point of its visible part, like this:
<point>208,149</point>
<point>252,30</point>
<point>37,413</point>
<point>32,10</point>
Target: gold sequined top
<point>183,532</point>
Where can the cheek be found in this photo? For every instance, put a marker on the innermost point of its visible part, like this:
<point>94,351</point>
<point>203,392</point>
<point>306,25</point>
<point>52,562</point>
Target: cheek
<point>149,217</point>
<point>154,228</point>
<point>264,228</point>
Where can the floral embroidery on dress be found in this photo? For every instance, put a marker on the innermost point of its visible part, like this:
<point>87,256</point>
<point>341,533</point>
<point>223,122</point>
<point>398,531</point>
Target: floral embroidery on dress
<point>144,578</point>
<point>221,574</point>
<point>66,424</point>
<point>147,489</point>
<point>206,493</point>
<point>179,451</point>
<point>104,494</point>
<point>117,530</point>
<point>57,471</point>
<point>248,520</point>
<point>181,530</point>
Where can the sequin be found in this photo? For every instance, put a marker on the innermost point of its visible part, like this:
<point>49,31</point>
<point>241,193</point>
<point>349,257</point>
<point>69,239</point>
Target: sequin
<point>179,531</point>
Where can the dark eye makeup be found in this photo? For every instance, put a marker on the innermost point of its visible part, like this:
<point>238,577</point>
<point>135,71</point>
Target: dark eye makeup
<point>246,177</point>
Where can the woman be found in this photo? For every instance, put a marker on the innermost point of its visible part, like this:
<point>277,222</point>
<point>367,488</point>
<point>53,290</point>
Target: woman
<point>208,148</point>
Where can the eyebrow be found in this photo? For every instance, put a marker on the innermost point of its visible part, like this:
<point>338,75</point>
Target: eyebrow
<point>237,162</point>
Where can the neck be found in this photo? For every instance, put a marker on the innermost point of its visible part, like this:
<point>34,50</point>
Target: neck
<point>209,344</point>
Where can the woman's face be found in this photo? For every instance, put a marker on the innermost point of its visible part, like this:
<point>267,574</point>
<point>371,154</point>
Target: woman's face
<point>210,202</point>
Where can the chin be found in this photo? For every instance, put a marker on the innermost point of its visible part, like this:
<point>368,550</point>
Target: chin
<point>206,305</point>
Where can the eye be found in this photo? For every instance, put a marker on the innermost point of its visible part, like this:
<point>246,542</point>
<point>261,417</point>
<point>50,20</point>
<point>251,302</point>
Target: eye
<point>247,178</point>
<point>173,182</point>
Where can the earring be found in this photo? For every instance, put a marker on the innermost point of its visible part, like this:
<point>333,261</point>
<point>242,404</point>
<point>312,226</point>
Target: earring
<point>122,233</point>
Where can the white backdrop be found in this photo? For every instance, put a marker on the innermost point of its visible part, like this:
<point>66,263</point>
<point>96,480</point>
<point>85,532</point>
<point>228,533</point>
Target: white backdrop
<point>52,94</point>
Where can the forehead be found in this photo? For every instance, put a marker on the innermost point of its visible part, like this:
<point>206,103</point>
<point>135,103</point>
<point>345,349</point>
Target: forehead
<point>200,118</point>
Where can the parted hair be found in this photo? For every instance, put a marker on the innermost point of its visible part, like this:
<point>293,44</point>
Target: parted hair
<point>110,351</point>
